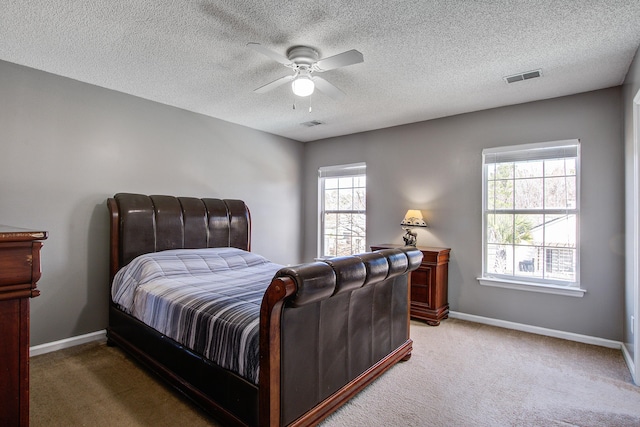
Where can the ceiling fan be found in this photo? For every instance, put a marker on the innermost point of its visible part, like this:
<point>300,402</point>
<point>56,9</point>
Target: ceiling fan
<point>304,62</point>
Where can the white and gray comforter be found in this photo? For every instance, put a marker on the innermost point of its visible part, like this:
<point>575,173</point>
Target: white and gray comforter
<point>206,299</point>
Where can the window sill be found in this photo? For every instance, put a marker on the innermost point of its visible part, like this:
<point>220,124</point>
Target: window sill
<point>531,287</point>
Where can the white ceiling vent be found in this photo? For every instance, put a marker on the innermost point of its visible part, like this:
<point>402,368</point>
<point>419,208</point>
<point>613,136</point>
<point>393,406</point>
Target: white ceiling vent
<point>523,76</point>
<point>312,123</point>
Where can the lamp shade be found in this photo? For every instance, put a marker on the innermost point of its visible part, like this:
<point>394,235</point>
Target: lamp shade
<point>413,218</point>
<point>303,86</point>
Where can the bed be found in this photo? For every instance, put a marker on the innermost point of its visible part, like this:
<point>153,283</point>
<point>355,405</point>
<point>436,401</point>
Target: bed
<point>319,332</point>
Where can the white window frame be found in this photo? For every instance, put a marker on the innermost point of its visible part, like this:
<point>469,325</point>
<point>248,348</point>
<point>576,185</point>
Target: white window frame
<point>535,151</point>
<point>337,171</point>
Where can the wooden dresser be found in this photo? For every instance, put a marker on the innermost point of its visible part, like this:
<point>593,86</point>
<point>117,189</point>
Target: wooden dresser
<point>429,284</point>
<point>19,273</point>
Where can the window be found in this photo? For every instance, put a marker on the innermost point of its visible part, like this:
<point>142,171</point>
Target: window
<point>531,209</point>
<point>343,215</point>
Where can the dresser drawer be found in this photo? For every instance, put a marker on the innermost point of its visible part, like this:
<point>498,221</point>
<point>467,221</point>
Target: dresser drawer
<point>16,263</point>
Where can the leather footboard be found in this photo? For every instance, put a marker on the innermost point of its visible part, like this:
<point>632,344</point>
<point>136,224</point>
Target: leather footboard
<point>347,316</point>
<point>340,341</point>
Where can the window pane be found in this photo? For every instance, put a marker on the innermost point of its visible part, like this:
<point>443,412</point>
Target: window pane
<point>504,170</point>
<point>572,198</point>
<point>358,245</point>
<point>331,183</point>
<point>344,224</point>
<point>503,197</point>
<point>500,228</point>
<point>491,171</point>
<point>331,200</point>
<point>529,193</point>
<point>359,222</point>
<point>345,182</point>
<point>500,259</point>
<point>343,238</point>
<point>329,246</point>
<point>345,199</point>
<point>560,263</point>
<point>528,169</point>
<point>555,167</point>
<point>331,223</point>
<point>527,229</point>
<point>560,231</point>
<point>555,195</point>
<point>527,264</point>
<point>491,192</point>
<point>343,246</point>
<point>360,181</point>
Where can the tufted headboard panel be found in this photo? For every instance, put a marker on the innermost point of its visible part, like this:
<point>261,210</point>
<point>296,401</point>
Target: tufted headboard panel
<point>143,224</point>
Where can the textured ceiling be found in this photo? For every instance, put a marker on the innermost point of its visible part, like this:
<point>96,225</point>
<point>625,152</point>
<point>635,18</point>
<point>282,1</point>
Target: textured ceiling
<point>423,59</point>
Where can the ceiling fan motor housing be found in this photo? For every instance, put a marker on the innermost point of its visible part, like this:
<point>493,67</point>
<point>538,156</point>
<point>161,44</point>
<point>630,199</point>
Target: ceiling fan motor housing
<point>302,55</point>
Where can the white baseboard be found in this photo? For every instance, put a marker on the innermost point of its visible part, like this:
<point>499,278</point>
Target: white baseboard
<point>67,342</point>
<point>629,360</point>
<point>586,339</point>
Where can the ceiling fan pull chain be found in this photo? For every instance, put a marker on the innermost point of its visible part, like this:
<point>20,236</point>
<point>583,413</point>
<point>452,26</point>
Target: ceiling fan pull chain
<point>309,104</point>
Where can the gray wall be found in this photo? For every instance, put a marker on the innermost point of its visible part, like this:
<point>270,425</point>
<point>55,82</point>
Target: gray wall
<point>630,89</point>
<point>436,166</point>
<point>67,146</point>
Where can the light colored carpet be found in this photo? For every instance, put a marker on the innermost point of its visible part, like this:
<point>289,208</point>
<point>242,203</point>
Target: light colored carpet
<point>468,374</point>
<point>97,385</point>
<point>460,374</point>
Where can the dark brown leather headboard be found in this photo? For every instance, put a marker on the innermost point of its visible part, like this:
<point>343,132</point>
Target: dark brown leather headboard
<point>141,224</point>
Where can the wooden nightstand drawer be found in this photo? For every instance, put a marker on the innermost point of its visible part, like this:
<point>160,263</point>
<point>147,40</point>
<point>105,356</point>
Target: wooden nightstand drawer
<point>16,263</point>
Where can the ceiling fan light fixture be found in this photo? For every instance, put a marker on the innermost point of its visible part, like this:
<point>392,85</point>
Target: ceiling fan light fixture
<point>303,86</point>
<point>303,60</point>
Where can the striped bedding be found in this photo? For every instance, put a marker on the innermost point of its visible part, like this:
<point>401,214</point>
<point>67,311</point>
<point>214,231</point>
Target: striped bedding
<point>206,299</point>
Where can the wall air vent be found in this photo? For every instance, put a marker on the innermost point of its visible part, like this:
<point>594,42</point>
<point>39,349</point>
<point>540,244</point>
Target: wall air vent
<point>523,76</point>
<point>312,123</point>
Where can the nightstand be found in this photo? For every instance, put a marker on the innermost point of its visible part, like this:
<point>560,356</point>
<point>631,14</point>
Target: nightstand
<point>429,284</point>
<point>19,273</point>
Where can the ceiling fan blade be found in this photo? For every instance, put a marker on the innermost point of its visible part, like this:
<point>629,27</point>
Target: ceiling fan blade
<point>274,84</point>
<point>328,89</point>
<point>343,59</point>
<point>268,52</point>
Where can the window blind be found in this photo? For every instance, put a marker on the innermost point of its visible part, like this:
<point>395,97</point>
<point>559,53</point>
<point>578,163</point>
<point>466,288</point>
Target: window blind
<point>353,169</point>
<point>536,151</point>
